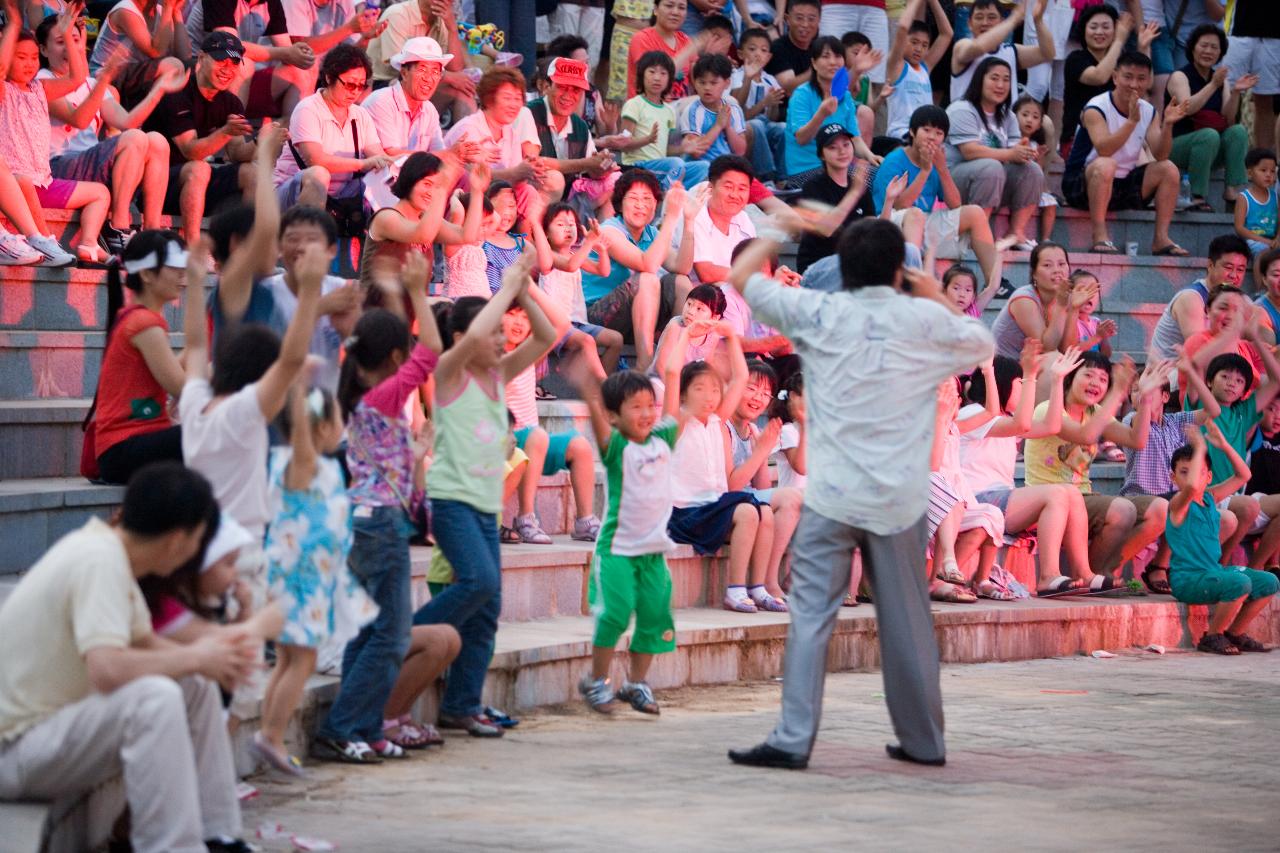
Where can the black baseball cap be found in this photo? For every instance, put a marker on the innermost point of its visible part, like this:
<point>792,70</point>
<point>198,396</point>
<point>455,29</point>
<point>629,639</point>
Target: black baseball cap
<point>222,45</point>
<point>828,132</point>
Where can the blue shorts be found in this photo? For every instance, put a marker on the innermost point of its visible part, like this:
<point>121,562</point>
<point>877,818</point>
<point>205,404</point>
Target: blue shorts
<point>590,328</point>
<point>1162,52</point>
<point>557,450</point>
<point>707,526</point>
<point>92,164</point>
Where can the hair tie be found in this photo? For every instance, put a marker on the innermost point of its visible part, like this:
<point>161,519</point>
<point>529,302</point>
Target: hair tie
<point>315,403</point>
<point>782,395</point>
<point>350,342</point>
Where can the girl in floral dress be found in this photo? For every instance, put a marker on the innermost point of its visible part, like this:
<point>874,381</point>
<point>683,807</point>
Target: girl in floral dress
<point>307,547</point>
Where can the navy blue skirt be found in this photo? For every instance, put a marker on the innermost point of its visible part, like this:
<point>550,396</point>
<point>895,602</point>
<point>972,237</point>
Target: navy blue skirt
<point>707,526</point>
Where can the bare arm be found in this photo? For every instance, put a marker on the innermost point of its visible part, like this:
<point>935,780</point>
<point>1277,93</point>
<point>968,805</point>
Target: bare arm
<point>274,385</point>
<point>301,470</point>
<point>544,331</point>
<point>938,48</point>
<point>967,50</point>
<point>236,286</point>
<point>737,379</point>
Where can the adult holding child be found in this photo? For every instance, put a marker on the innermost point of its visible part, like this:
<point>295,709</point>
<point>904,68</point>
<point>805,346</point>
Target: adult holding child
<point>993,164</point>
<point>908,344</point>
<point>815,105</point>
<point>1210,134</point>
<point>1046,308</point>
<point>97,695</point>
<point>649,277</point>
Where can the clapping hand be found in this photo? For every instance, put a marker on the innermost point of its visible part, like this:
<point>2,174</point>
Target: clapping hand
<point>866,60</point>
<point>1245,83</point>
<point>1149,33</point>
<point>1030,358</point>
<point>1107,329</point>
<point>1065,362</point>
<point>1175,111</point>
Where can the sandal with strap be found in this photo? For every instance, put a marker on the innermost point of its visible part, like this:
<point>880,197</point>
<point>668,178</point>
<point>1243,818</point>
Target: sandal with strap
<point>850,600</point>
<point>995,592</point>
<point>950,573</point>
<point>407,734</point>
<point>767,602</point>
<point>952,594</point>
<point>1244,642</point>
<point>1104,247</point>
<point>344,751</point>
<point>1159,587</point>
<point>387,749</point>
<point>508,535</point>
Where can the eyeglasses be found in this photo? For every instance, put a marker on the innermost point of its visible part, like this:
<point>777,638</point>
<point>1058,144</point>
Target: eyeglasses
<point>351,86</point>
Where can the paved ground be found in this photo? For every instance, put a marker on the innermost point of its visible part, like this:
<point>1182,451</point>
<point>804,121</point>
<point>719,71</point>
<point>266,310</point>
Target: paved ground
<point>1140,752</point>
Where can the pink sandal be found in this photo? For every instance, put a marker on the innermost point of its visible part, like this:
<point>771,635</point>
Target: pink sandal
<point>410,735</point>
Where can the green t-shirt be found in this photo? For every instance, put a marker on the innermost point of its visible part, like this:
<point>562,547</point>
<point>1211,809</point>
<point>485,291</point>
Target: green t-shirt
<point>646,114</point>
<point>1194,544</point>
<point>638,478</point>
<point>1235,422</point>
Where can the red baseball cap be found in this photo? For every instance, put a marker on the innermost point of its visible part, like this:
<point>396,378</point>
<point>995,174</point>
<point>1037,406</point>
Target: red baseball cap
<point>568,72</point>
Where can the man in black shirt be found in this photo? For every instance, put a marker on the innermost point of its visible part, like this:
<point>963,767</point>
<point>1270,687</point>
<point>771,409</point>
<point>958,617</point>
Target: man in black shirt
<point>202,120</point>
<point>790,62</point>
<point>1254,29</point>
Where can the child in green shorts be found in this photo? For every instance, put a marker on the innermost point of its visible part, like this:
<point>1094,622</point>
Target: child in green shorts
<point>629,570</point>
<point>1192,533</point>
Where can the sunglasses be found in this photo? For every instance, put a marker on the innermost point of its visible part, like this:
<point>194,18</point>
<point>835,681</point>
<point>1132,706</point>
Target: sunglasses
<point>354,88</point>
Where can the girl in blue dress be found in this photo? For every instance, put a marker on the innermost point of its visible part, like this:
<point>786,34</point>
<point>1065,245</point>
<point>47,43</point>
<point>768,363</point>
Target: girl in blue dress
<point>307,546</point>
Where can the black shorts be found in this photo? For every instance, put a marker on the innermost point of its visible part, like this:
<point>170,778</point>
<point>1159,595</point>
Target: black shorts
<point>224,183</point>
<point>1126,192</point>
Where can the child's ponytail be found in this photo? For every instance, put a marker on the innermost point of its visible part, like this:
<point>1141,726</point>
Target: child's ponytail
<point>378,335</point>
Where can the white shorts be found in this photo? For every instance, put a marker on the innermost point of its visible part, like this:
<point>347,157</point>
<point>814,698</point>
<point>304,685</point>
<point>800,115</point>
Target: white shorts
<point>1260,523</point>
<point>1257,56</point>
<point>941,231</point>
<point>839,18</point>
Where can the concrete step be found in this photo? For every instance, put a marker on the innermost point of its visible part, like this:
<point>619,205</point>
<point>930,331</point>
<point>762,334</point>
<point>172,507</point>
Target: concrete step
<point>50,364</point>
<point>34,513</point>
<point>539,663</point>
<point>41,438</point>
<point>545,581</point>
<point>1192,231</point>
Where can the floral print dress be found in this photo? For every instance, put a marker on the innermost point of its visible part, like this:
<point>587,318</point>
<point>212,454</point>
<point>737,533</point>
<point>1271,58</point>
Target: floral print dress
<point>307,547</point>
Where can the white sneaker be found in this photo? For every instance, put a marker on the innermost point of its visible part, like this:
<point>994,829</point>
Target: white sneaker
<point>16,251</point>
<point>52,251</point>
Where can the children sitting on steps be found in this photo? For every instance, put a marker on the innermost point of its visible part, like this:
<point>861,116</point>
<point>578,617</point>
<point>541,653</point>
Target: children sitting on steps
<point>629,570</point>
<point>1236,594</point>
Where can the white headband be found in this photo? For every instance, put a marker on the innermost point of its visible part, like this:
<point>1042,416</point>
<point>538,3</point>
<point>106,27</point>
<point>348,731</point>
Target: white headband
<point>175,256</point>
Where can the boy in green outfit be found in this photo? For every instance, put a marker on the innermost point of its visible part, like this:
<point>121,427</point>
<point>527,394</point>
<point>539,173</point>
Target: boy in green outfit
<point>629,570</point>
<point>1192,533</point>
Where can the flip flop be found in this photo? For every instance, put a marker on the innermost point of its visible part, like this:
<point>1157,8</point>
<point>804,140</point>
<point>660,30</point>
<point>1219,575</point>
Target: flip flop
<point>952,594</point>
<point>994,592</point>
<point>849,601</point>
<point>1173,250</point>
<point>1201,206</point>
<point>279,759</point>
<point>1104,247</point>
<point>1061,586</point>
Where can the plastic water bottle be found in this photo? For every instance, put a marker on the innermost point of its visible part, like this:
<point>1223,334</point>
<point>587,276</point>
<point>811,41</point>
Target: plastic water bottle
<point>1184,192</point>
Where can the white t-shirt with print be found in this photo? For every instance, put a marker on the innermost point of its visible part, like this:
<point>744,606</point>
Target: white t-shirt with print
<point>987,462</point>
<point>228,445</point>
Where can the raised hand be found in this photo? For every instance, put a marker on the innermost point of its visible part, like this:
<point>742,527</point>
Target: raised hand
<point>1245,83</point>
<point>1149,33</point>
<point>1065,362</point>
<point>311,269</point>
<point>1107,329</point>
<point>895,188</point>
<point>1174,112</point>
<point>769,436</point>
<point>1154,376</point>
<point>1214,435</point>
<point>1030,357</point>
<point>1124,26</point>
<point>481,177</point>
<point>1082,294</point>
<point>416,273</point>
<point>867,60</point>
<point>1122,374</point>
<point>828,107</point>
<point>1195,437</point>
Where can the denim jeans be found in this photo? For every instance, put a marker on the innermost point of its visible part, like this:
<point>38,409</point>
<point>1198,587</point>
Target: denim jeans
<point>767,148</point>
<point>671,169</point>
<point>371,661</point>
<point>516,19</point>
<point>469,539</point>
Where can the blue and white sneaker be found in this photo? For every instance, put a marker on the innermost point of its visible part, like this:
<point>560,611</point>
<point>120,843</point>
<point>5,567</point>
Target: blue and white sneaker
<point>640,696</point>
<point>598,692</point>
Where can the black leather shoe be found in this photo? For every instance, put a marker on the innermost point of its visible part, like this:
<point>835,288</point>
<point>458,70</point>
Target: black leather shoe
<point>900,754</point>
<point>768,756</point>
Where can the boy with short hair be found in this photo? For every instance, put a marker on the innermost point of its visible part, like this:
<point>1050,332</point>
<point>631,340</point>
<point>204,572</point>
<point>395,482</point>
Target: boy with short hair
<point>629,570</point>
<point>1256,210</point>
<point>1192,530</point>
<point>711,125</point>
<point>858,59</point>
<point>924,163</point>
<point>761,96</point>
<point>912,57</point>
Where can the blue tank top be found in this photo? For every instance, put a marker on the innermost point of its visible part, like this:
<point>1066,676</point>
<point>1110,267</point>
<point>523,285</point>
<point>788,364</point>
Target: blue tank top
<point>595,287</point>
<point>497,259</point>
<point>1260,216</point>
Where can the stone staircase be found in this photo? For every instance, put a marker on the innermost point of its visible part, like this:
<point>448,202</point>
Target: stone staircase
<point>51,339</point>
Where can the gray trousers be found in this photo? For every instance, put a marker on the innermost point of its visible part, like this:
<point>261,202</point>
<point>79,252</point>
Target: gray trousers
<point>169,741</point>
<point>822,555</point>
<point>992,184</point>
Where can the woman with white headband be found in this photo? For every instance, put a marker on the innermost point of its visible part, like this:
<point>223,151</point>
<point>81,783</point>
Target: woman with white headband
<point>129,423</point>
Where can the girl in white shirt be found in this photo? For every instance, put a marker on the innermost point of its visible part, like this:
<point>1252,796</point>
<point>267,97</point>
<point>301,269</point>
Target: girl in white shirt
<point>706,514</point>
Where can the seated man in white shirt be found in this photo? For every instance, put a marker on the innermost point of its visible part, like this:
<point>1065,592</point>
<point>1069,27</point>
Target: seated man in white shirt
<point>1102,171</point>
<point>567,146</point>
<point>95,695</point>
<point>723,223</point>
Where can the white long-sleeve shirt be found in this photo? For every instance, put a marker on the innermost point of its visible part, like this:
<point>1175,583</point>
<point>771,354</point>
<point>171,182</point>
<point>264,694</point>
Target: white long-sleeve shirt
<point>873,358</point>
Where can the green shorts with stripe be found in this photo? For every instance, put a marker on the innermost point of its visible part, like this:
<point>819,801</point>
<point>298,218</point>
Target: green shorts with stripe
<point>620,586</point>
